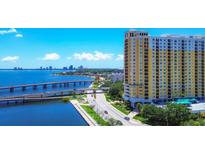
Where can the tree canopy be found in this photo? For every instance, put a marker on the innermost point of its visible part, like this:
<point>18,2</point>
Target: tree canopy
<point>170,115</point>
<point>116,90</point>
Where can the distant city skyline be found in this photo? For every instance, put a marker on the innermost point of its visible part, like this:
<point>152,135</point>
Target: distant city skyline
<point>92,48</point>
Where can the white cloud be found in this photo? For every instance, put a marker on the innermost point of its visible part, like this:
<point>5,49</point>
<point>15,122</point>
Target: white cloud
<point>119,57</point>
<point>10,59</point>
<point>92,56</point>
<point>69,58</point>
<point>9,31</point>
<point>51,56</point>
<point>19,35</point>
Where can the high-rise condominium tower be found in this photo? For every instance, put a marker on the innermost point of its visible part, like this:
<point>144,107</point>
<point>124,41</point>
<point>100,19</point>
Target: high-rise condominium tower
<point>163,68</point>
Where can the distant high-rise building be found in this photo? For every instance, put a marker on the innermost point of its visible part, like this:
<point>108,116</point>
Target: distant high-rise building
<point>65,68</point>
<point>18,68</point>
<point>162,68</point>
<point>80,67</point>
<point>71,67</point>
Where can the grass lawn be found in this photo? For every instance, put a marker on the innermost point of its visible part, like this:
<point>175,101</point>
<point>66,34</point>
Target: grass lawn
<point>95,116</point>
<point>122,107</point>
<point>77,97</point>
<point>66,99</point>
<point>107,97</point>
<point>96,84</point>
<point>140,118</point>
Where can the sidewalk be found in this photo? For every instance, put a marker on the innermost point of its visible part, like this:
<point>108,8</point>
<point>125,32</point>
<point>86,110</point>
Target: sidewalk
<point>83,113</point>
<point>132,114</point>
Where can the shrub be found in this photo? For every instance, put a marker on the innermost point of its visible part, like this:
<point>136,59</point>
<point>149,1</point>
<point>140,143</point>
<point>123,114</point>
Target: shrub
<point>66,99</point>
<point>114,122</point>
<point>191,123</point>
<point>139,107</point>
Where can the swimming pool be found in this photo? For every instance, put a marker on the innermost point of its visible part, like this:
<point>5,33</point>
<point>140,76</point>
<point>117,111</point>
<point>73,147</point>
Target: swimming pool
<point>186,101</point>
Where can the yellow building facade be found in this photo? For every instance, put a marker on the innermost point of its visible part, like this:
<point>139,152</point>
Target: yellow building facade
<point>159,69</point>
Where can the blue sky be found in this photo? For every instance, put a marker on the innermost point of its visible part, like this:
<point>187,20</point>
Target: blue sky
<point>95,48</point>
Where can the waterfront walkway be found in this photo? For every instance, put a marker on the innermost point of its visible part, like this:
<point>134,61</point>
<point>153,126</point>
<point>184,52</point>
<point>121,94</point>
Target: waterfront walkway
<point>83,113</point>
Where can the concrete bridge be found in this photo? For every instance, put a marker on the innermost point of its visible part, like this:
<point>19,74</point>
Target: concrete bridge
<point>51,95</point>
<point>45,85</point>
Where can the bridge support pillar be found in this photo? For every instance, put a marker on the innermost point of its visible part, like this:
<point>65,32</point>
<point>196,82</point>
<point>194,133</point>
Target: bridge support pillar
<point>66,84</point>
<point>23,88</point>
<point>45,86</point>
<point>11,90</point>
<point>54,85</point>
<point>60,85</point>
<point>74,84</point>
<point>34,87</point>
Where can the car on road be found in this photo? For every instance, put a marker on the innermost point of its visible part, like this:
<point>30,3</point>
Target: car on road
<point>127,118</point>
<point>105,112</point>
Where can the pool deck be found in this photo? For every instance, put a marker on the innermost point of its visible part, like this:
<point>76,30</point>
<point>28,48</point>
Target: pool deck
<point>199,107</point>
<point>84,114</point>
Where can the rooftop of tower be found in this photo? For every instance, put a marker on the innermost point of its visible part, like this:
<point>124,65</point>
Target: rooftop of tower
<point>182,36</point>
<point>167,35</point>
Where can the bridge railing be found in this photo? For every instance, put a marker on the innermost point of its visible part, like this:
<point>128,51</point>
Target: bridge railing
<point>56,93</point>
<point>46,84</point>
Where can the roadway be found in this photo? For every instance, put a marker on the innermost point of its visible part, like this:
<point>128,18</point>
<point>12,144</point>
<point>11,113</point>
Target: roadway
<point>103,105</point>
<point>49,95</point>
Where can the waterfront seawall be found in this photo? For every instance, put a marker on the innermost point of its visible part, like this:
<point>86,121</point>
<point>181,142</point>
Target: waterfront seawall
<point>86,117</point>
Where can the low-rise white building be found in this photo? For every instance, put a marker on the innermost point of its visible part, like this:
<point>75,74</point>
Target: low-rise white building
<point>116,77</point>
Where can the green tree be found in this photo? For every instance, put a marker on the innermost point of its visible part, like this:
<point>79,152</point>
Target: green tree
<point>106,83</point>
<point>116,90</point>
<point>154,115</point>
<point>177,114</point>
<point>139,107</point>
<point>171,115</point>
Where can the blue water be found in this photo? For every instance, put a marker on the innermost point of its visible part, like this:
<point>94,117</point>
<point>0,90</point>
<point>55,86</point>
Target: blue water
<point>15,77</point>
<point>41,114</point>
<point>54,113</point>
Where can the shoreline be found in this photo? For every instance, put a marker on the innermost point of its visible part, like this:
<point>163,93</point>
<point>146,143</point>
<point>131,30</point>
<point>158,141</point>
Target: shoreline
<point>84,115</point>
<point>90,76</point>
